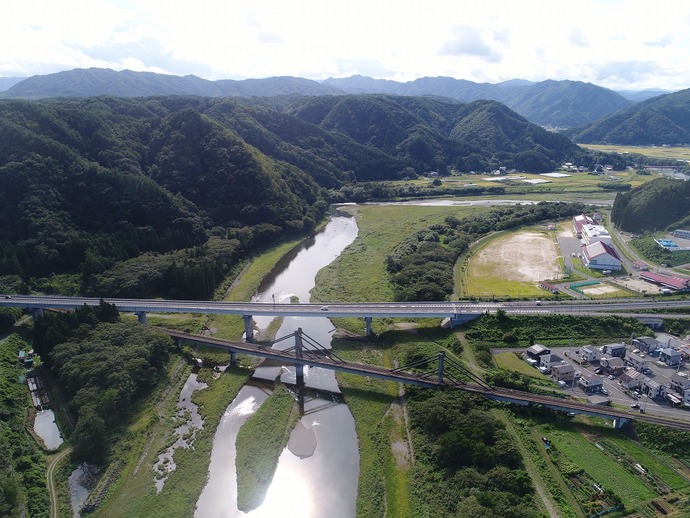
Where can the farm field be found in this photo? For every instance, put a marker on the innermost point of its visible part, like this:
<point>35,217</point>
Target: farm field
<point>573,182</point>
<point>601,465</point>
<point>679,153</point>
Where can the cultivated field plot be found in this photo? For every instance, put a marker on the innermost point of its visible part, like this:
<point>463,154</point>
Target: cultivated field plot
<point>512,265</point>
<point>599,464</point>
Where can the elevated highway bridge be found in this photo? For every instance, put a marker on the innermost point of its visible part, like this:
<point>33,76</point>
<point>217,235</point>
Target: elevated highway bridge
<point>456,312</point>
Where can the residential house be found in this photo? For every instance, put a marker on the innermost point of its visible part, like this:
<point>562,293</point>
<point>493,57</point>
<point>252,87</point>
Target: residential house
<point>536,351</point>
<point>679,382</point>
<point>686,398</point>
<point>630,379</point>
<point>669,356</point>
<point>653,388</point>
<point>563,372</point>
<point>646,344</point>
<point>667,340</point>
<point>601,256</point>
<point>615,350</point>
<point>637,361</point>
<point>612,364</point>
<point>590,354</point>
<point>591,383</point>
<point>549,360</point>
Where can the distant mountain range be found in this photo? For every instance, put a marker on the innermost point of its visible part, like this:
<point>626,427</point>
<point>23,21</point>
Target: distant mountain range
<point>657,121</point>
<point>554,104</point>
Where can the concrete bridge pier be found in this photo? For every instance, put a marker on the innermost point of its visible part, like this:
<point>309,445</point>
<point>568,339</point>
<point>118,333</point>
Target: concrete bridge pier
<point>299,367</point>
<point>36,313</point>
<point>367,322</point>
<point>233,358</point>
<point>620,422</point>
<point>178,342</point>
<point>248,328</point>
<point>141,316</point>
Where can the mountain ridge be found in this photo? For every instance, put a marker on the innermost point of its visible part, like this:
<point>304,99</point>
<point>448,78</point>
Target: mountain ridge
<point>578,103</point>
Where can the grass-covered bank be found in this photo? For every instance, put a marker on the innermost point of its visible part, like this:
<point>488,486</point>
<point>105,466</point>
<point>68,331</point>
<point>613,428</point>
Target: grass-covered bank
<point>244,286</point>
<point>379,410</point>
<point>133,493</point>
<point>359,273</point>
<point>259,444</point>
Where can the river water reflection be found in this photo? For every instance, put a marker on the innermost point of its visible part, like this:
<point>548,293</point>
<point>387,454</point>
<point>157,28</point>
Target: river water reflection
<point>309,481</point>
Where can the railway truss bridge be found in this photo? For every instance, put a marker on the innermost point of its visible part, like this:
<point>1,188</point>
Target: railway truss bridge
<point>438,371</point>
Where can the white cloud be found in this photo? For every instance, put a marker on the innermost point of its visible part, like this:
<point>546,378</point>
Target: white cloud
<point>468,41</point>
<point>492,40</point>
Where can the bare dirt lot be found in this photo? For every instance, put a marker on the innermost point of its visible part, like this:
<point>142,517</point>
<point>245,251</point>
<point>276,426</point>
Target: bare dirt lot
<point>638,285</point>
<point>523,256</point>
<point>599,289</point>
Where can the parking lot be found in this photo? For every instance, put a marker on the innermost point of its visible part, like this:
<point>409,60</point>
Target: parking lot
<point>618,394</point>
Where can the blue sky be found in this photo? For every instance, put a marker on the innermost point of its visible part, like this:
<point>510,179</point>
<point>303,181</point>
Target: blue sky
<point>619,44</point>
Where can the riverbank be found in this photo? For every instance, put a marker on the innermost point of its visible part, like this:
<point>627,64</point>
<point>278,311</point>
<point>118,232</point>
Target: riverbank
<point>133,493</point>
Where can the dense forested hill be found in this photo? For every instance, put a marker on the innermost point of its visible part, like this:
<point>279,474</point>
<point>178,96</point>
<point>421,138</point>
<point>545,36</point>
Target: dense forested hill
<point>550,103</point>
<point>656,121</point>
<point>656,205</point>
<point>164,195</point>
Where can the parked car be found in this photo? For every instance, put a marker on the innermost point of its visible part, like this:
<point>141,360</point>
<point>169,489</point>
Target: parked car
<point>635,405</point>
<point>611,376</point>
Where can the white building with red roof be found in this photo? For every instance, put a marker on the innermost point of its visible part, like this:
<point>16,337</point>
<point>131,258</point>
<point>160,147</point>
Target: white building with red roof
<point>673,282</point>
<point>579,221</point>
<point>601,256</point>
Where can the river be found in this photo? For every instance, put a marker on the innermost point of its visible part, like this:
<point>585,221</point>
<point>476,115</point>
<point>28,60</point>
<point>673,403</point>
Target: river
<point>318,472</point>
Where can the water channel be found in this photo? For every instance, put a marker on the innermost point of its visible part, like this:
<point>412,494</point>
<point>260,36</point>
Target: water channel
<point>317,473</point>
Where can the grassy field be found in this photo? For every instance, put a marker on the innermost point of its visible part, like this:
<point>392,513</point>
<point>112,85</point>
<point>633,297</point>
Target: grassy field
<point>678,153</point>
<point>511,362</point>
<point>575,183</point>
<point>359,274</point>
